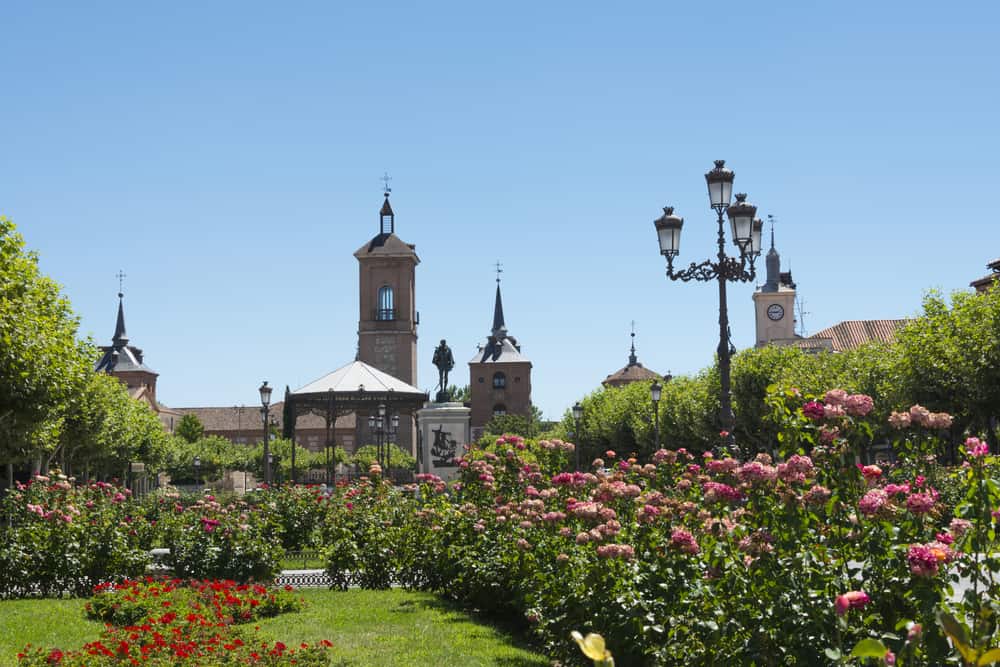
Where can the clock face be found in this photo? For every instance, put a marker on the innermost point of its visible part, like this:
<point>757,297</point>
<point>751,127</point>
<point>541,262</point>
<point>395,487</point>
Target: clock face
<point>775,311</point>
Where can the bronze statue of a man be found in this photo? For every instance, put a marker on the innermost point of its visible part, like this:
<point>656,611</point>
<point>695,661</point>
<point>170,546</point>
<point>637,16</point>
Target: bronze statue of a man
<point>444,362</point>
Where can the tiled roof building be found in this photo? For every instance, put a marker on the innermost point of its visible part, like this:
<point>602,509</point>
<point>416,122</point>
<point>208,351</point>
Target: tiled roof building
<point>987,281</point>
<point>633,371</point>
<point>851,334</point>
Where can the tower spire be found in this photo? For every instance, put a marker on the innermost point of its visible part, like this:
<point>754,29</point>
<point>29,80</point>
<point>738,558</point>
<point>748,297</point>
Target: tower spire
<point>773,263</point>
<point>120,338</point>
<point>499,327</point>
<point>632,359</point>
<point>387,219</point>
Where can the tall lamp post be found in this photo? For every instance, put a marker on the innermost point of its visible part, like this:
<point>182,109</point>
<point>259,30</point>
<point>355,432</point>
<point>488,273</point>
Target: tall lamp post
<point>746,231</point>
<point>383,428</point>
<point>577,416</point>
<point>265,401</point>
<point>654,393</point>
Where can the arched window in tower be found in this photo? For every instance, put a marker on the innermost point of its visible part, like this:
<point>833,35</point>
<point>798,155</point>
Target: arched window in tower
<point>499,380</point>
<point>499,410</point>
<point>386,308</point>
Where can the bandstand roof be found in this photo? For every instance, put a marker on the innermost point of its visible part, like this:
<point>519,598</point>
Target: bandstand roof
<point>357,386</point>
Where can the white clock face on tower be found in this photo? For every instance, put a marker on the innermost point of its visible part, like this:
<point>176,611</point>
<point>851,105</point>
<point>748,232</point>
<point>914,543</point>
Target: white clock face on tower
<point>775,311</point>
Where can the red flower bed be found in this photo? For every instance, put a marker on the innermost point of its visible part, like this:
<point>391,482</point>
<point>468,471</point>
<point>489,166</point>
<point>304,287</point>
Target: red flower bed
<point>172,622</point>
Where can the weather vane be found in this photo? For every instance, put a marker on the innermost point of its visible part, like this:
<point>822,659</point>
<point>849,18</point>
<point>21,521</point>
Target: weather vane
<point>385,179</point>
<point>121,281</point>
<point>499,271</point>
<point>770,218</point>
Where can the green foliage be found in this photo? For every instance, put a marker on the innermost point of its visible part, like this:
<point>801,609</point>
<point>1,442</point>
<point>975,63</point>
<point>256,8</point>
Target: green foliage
<point>459,394</point>
<point>190,428</point>
<point>104,429</point>
<point>950,357</point>
<point>525,427</point>
<point>399,459</point>
<point>42,364</point>
<point>63,539</point>
<point>208,540</point>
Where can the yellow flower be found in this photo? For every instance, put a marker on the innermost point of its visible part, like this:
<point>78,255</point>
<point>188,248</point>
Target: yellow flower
<point>593,647</point>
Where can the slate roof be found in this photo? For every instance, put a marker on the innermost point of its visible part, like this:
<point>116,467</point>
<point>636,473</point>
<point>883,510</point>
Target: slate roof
<point>850,334</point>
<point>502,351</point>
<point>120,356</point>
<point>127,358</point>
<point>228,419</point>
<point>354,376</point>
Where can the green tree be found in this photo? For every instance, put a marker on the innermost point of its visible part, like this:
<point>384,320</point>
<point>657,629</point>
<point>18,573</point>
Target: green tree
<point>42,364</point>
<point>190,428</point>
<point>950,357</point>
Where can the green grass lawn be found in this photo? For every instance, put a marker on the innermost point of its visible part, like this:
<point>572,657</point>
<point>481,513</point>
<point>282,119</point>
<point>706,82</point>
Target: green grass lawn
<point>48,623</point>
<point>392,628</point>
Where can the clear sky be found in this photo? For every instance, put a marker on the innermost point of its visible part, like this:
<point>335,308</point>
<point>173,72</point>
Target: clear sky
<point>227,157</point>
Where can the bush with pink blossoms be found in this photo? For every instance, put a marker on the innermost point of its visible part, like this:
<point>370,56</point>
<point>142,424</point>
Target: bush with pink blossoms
<point>65,538</point>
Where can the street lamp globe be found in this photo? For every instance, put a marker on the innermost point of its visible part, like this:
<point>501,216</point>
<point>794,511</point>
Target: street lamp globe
<point>654,391</point>
<point>371,421</point>
<point>577,411</point>
<point>668,230</point>
<point>755,237</point>
<point>741,216</point>
<point>395,422</point>
<point>720,185</point>
<point>265,394</point>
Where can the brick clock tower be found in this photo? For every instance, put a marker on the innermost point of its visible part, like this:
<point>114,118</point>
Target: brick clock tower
<point>387,322</point>
<point>774,302</point>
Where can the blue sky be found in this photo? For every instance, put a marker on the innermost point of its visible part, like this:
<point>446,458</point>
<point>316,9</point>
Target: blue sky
<point>227,156</point>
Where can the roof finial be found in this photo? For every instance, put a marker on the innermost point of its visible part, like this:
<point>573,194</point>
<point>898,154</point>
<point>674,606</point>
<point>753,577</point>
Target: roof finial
<point>632,359</point>
<point>385,179</point>
<point>499,271</point>
<point>121,282</point>
<point>770,218</point>
<point>499,329</point>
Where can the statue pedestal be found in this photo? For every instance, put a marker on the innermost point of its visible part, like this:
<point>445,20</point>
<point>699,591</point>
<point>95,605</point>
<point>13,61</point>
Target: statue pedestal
<point>444,434</point>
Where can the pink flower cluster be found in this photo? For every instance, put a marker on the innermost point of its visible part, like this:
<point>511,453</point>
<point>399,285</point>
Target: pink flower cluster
<point>850,600</point>
<point>976,449</point>
<point>874,502</point>
<point>920,416</point>
<point>926,559</point>
<point>622,551</point>
<point>684,541</point>
<point>716,491</point>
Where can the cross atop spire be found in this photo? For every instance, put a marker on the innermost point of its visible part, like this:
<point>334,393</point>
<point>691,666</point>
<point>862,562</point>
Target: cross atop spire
<point>385,179</point>
<point>121,281</point>
<point>499,271</point>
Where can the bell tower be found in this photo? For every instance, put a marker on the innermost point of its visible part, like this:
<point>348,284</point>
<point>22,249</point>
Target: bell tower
<point>387,322</point>
<point>774,301</point>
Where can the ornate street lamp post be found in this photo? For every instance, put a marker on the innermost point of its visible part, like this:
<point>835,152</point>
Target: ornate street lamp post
<point>383,428</point>
<point>265,400</point>
<point>577,416</point>
<point>654,394</point>
<point>746,231</point>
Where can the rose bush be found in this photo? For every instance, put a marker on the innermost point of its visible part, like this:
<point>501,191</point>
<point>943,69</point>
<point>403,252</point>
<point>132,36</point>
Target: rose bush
<point>708,559</point>
<point>64,538</point>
